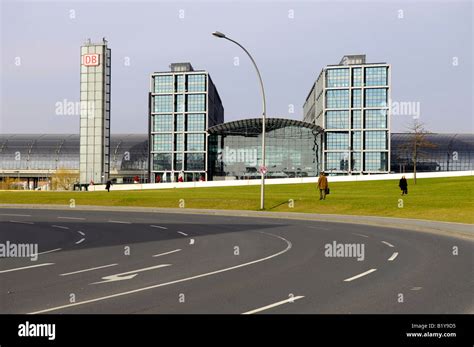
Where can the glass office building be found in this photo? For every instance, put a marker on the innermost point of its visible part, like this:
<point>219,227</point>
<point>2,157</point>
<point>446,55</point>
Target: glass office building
<point>351,102</point>
<point>183,104</point>
<point>446,152</point>
<point>95,112</point>
<point>292,149</point>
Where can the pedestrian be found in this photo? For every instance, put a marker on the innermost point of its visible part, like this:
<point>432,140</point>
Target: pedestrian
<point>323,186</point>
<point>181,177</point>
<point>107,185</point>
<point>403,184</point>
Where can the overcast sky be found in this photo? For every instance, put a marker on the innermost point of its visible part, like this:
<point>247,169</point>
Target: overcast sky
<point>429,45</point>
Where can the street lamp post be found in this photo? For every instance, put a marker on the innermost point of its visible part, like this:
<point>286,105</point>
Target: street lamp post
<point>264,113</point>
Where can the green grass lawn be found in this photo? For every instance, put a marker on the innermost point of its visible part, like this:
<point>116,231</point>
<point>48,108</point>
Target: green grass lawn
<point>443,199</point>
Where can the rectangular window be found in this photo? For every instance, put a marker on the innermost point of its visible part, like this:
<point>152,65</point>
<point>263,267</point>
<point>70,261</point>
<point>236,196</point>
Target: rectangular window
<point>356,119</point>
<point>162,143</point>
<point>357,77</point>
<point>163,84</point>
<point>163,103</point>
<point>375,161</point>
<point>375,119</point>
<point>195,142</point>
<point>337,161</point>
<point>376,76</point>
<point>162,162</point>
<point>375,97</point>
<point>337,119</point>
<point>196,103</point>
<point>356,140</point>
<point>162,123</point>
<point>180,83</point>
<point>337,140</point>
<point>195,161</point>
<point>179,100</point>
<point>356,161</point>
<point>375,140</point>
<point>337,98</point>
<point>196,122</point>
<point>337,77</point>
<point>196,83</point>
<point>356,98</point>
<point>179,124</point>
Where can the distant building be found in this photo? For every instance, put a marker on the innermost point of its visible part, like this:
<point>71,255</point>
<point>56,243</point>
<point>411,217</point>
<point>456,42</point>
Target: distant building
<point>183,104</point>
<point>351,102</point>
<point>95,112</point>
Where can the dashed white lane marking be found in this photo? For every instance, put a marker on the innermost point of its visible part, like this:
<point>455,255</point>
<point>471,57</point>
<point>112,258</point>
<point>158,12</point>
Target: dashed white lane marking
<point>73,218</point>
<point>159,227</point>
<point>119,222</point>
<point>159,255</point>
<point>25,267</point>
<point>20,222</point>
<point>318,227</point>
<point>50,251</point>
<point>360,235</point>
<point>15,215</point>
<point>60,227</point>
<point>388,244</point>
<point>359,275</point>
<point>288,247</point>
<point>90,269</point>
<point>81,240</point>
<point>274,305</point>
<point>394,255</point>
<point>80,232</point>
<point>184,234</point>
<point>416,288</point>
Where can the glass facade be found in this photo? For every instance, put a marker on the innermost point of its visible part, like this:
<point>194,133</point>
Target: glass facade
<point>292,149</point>
<point>184,103</point>
<point>355,113</point>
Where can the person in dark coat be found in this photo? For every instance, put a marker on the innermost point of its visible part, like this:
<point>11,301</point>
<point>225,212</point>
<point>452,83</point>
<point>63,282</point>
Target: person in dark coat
<point>107,185</point>
<point>403,184</point>
<point>322,185</point>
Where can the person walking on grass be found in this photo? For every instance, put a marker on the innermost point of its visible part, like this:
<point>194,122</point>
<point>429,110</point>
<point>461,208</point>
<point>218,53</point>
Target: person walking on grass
<point>322,185</point>
<point>403,184</point>
<point>107,185</point>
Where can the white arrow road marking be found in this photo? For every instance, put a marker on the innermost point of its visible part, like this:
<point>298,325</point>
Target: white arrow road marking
<point>394,255</point>
<point>159,227</point>
<point>76,218</point>
<point>274,305</point>
<point>90,269</point>
<point>159,255</point>
<point>50,251</point>
<point>138,290</point>
<point>184,234</point>
<point>388,244</point>
<point>191,241</point>
<point>25,267</point>
<point>128,275</point>
<point>59,226</point>
<point>359,275</point>
<point>20,222</point>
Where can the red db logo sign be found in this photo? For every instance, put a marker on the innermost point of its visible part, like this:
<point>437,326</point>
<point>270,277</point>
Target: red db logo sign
<point>90,60</point>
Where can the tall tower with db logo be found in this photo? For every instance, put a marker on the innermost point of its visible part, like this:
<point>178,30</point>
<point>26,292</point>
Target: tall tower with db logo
<point>95,113</point>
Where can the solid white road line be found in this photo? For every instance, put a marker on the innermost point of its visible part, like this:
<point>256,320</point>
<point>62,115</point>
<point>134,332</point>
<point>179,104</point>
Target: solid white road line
<point>131,274</point>
<point>394,255</point>
<point>26,267</point>
<point>119,222</point>
<point>81,240</point>
<point>288,247</point>
<point>15,215</point>
<point>388,244</point>
<point>74,218</point>
<point>20,222</point>
<point>359,275</point>
<point>90,269</point>
<point>159,227</point>
<point>159,255</point>
<point>360,235</point>
<point>274,305</point>
<point>50,251</point>
<point>80,232</point>
<point>60,227</point>
<point>184,234</point>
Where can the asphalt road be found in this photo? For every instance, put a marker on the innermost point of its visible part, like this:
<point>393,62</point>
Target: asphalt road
<point>130,262</point>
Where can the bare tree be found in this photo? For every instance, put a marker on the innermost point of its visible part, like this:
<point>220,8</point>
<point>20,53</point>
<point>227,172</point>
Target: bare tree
<point>64,179</point>
<point>416,143</point>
